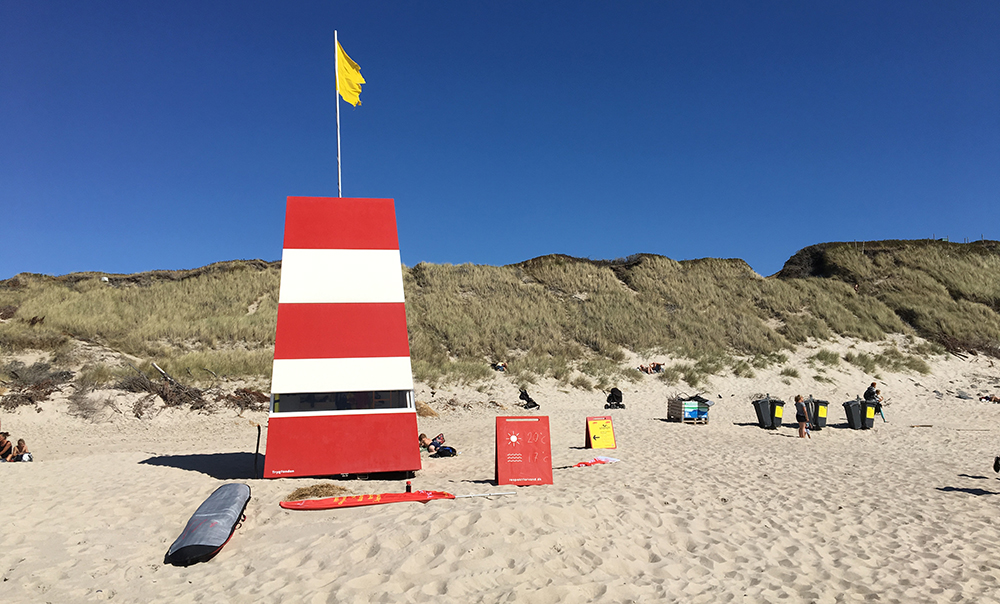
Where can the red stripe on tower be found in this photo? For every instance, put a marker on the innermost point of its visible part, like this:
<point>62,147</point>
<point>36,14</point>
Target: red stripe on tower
<point>338,331</point>
<point>337,223</point>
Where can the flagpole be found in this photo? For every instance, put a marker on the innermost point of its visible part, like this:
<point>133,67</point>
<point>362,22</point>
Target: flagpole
<point>336,100</point>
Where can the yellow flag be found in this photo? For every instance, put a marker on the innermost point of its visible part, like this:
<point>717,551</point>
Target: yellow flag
<point>349,78</point>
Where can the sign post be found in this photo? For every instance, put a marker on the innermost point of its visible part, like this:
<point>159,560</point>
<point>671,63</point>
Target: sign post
<point>600,433</point>
<point>524,451</point>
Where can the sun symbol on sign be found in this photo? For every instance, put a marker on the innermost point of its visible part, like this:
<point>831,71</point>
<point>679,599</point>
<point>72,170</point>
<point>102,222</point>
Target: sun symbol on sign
<point>512,439</point>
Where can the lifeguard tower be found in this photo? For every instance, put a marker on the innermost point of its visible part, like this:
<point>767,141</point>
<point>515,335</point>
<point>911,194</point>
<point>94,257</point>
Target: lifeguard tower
<point>341,384</point>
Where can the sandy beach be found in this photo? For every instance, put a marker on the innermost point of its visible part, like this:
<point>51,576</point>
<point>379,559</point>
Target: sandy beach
<point>722,512</point>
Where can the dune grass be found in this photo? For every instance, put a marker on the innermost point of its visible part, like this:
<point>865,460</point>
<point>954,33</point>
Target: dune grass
<point>826,357</point>
<point>948,293</point>
<point>219,318</point>
<point>558,317</point>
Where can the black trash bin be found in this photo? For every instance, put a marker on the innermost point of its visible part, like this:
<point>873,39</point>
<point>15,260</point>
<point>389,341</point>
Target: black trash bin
<point>817,413</point>
<point>853,411</point>
<point>763,408</point>
<point>777,410</point>
<point>867,412</point>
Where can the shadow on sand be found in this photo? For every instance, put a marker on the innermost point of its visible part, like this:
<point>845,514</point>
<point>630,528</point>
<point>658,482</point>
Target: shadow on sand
<point>966,490</point>
<point>223,466</point>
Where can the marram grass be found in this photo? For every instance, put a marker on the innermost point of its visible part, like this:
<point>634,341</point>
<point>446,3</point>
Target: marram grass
<point>559,317</point>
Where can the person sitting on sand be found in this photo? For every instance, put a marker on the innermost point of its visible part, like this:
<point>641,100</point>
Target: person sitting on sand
<point>871,394</point>
<point>20,452</point>
<point>431,444</point>
<point>6,447</point>
<point>802,416</point>
<point>878,404</point>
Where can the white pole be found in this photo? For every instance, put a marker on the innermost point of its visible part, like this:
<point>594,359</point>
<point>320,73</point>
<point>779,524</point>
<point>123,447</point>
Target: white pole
<point>336,99</point>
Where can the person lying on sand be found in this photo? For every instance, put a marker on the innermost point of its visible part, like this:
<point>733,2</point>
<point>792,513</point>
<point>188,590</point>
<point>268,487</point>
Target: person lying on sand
<point>431,444</point>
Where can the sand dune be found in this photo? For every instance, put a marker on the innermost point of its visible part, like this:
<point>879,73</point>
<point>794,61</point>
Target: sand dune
<point>723,512</point>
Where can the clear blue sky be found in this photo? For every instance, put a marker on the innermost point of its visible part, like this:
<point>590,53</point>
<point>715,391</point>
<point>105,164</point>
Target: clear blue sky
<point>167,135</point>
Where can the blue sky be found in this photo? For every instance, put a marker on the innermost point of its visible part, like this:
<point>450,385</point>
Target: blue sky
<point>167,135</point>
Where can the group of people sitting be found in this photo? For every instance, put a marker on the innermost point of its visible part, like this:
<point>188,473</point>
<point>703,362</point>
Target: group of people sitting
<point>874,395</point>
<point>651,368</point>
<point>11,452</point>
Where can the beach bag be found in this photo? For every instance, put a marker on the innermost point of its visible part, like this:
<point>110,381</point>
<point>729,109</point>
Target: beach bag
<point>446,451</point>
<point>615,396</point>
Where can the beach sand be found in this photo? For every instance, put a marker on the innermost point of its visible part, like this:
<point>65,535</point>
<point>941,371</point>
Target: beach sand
<point>722,512</point>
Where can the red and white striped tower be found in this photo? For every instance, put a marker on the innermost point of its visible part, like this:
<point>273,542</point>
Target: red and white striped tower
<point>341,384</point>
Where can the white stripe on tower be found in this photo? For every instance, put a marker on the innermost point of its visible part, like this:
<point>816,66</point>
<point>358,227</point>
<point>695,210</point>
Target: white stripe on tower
<point>340,276</point>
<point>341,375</point>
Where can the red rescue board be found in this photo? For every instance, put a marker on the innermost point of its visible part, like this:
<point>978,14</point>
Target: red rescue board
<point>332,503</point>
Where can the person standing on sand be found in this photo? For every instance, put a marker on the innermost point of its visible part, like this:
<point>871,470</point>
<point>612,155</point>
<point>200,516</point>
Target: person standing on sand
<point>801,416</point>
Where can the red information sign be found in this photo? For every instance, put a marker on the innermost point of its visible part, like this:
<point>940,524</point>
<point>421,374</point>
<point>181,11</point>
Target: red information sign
<point>524,452</point>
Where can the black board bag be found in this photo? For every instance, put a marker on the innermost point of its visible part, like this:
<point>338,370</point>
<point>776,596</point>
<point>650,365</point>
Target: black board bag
<point>211,526</point>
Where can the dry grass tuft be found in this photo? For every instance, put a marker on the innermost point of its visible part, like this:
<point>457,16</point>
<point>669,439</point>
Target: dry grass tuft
<point>170,391</point>
<point>87,407</point>
<point>318,491</point>
<point>424,410</point>
<point>245,399</point>
<point>31,384</point>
